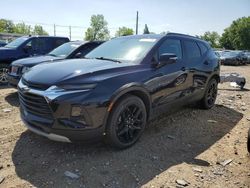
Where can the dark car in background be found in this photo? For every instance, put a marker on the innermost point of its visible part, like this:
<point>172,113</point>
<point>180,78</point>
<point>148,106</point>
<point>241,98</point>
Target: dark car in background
<point>118,87</point>
<point>234,58</point>
<point>70,50</point>
<point>2,43</point>
<point>247,54</point>
<point>25,47</point>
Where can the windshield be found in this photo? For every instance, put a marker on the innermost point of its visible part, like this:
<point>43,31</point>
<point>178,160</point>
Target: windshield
<point>123,49</point>
<point>64,50</point>
<point>16,43</point>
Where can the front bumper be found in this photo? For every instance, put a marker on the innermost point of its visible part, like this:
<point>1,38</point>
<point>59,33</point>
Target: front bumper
<point>13,80</point>
<point>51,116</point>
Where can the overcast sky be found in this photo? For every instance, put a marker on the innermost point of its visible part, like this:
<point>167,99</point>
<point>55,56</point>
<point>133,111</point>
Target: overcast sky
<point>185,16</point>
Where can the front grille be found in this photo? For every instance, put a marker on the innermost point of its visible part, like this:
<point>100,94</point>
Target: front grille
<point>35,104</point>
<point>35,85</point>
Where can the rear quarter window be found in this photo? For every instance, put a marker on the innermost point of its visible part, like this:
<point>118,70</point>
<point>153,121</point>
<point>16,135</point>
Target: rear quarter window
<point>192,50</point>
<point>203,48</point>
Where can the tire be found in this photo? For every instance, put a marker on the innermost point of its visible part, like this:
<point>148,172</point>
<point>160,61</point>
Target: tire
<point>248,141</point>
<point>210,95</point>
<point>126,122</point>
<point>3,74</point>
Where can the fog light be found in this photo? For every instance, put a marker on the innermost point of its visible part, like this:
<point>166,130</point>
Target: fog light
<point>76,111</point>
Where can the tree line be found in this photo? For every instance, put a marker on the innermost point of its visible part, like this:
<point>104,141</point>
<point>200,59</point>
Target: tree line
<point>235,37</point>
<point>7,26</point>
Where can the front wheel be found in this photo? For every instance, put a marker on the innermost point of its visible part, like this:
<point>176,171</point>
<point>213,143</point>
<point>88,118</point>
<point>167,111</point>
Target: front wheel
<point>126,122</point>
<point>3,74</point>
<point>209,98</point>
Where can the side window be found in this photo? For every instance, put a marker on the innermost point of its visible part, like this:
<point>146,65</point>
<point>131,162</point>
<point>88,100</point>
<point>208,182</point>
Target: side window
<point>87,48</point>
<point>202,47</point>
<point>59,42</point>
<point>33,44</point>
<point>192,50</point>
<point>171,46</point>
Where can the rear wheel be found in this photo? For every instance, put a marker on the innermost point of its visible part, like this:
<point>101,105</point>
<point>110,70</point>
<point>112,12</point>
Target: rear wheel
<point>126,122</point>
<point>3,74</point>
<point>209,98</point>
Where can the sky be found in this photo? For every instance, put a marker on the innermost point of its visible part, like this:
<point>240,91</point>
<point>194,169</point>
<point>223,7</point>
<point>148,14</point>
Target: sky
<point>192,17</point>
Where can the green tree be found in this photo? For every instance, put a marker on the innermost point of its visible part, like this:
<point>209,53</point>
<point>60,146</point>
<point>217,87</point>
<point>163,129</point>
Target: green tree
<point>212,37</point>
<point>146,31</point>
<point>124,31</point>
<point>6,26</point>
<point>98,29</point>
<point>237,35</point>
<point>38,30</point>
<point>22,28</point>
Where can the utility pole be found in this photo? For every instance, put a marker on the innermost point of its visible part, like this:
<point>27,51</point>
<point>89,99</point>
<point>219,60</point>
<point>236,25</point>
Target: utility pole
<point>136,30</point>
<point>54,29</point>
<point>69,32</point>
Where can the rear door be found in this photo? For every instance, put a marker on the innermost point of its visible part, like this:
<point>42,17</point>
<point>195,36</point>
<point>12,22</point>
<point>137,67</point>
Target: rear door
<point>171,83</point>
<point>195,55</point>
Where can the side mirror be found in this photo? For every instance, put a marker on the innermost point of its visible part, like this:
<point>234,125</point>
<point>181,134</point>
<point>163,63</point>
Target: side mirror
<point>27,48</point>
<point>78,55</point>
<point>166,58</point>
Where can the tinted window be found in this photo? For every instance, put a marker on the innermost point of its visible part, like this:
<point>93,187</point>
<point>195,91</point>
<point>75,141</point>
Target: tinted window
<point>203,48</point>
<point>87,48</point>
<point>171,46</point>
<point>59,42</point>
<point>192,49</point>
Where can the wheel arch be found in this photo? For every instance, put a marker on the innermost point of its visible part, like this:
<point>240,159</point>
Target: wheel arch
<point>130,89</point>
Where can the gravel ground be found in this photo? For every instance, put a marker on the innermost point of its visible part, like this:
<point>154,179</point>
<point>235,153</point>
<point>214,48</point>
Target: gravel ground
<point>189,147</point>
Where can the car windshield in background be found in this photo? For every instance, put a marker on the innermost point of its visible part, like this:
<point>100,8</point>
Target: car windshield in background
<point>64,50</point>
<point>123,49</point>
<point>16,43</point>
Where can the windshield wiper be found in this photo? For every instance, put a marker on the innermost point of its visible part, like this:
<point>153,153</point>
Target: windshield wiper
<point>108,59</point>
<point>52,55</point>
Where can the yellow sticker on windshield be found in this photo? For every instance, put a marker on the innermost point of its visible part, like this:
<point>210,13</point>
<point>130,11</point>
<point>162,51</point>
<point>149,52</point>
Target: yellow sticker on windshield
<point>147,40</point>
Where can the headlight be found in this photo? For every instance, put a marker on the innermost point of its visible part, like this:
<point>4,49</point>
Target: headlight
<point>72,87</point>
<point>25,69</point>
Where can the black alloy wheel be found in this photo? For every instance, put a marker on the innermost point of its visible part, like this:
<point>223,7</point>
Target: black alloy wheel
<point>210,96</point>
<point>127,122</point>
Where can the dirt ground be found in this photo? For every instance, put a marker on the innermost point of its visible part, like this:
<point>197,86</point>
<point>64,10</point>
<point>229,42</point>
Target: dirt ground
<point>188,146</point>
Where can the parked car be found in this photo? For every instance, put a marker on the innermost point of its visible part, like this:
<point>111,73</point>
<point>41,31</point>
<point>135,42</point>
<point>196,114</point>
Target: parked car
<point>2,43</point>
<point>247,54</point>
<point>234,58</point>
<point>25,47</point>
<point>118,87</point>
<point>70,50</point>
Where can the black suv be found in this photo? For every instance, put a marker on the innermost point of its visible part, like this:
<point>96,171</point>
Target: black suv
<point>118,87</point>
<point>25,47</point>
<point>69,50</point>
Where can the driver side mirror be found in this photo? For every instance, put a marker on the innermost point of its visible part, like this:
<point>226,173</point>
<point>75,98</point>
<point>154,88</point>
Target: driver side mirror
<point>78,55</point>
<point>27,48</point>
<point>165,59</point>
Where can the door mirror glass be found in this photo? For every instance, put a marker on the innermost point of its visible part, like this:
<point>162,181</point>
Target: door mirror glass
<point>27,48</point>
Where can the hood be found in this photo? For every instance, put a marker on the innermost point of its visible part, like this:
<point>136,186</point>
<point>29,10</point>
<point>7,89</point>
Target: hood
<point>7,53</point>
<point>74,71</point>
<point>32,61</point>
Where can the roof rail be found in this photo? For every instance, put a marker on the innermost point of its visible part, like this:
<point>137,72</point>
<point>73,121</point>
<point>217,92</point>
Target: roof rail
<point>180,34</point>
